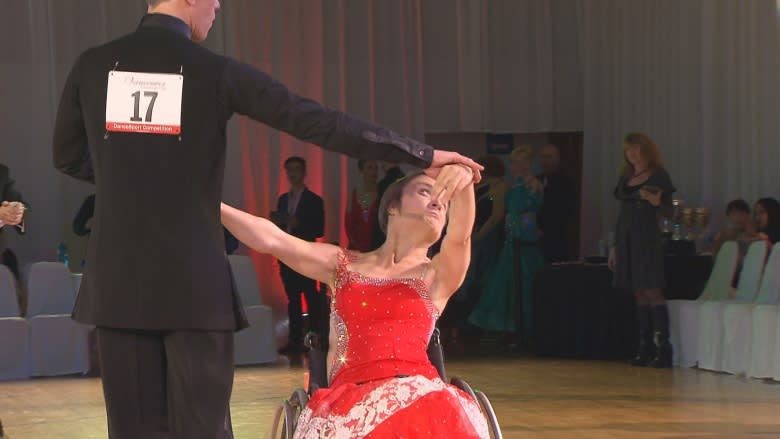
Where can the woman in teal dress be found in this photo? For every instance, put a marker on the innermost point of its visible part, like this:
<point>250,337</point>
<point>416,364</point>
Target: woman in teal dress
<point>506,304</point>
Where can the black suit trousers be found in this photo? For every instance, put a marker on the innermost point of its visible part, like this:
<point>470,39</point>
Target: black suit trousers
<point>172,385</point>
<point>294,285</point>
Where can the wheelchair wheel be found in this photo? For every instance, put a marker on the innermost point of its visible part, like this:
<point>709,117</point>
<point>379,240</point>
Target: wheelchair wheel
<point>490,414</point>
<point>288,413</point>
<point>284,414</point>
<point>299,399</point>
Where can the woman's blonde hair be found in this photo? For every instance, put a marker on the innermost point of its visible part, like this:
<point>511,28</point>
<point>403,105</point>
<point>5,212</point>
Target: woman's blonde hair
<point>523,151</point>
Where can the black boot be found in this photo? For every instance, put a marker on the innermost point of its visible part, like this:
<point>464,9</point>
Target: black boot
<point>663,357</point>
<point>646,349</point>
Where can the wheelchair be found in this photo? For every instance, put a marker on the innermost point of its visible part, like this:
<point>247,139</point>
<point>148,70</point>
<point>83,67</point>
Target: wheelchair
<point>289,410</point>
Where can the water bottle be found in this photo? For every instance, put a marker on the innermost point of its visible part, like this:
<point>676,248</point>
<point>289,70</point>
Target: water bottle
<point>62,253</point>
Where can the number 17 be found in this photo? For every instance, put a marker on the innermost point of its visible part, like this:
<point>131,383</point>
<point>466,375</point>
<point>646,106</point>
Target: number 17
<point>137,98</point>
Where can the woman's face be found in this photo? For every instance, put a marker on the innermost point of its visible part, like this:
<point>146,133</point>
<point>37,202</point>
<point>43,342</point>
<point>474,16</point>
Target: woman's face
<point>634,155</point>
<point>520,166</point>
<point>419,207</point>
<point>762,219</point>
<point>369,171</point>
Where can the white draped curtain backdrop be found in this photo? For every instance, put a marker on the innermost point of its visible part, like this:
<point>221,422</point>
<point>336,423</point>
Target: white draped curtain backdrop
<point>699,76</point>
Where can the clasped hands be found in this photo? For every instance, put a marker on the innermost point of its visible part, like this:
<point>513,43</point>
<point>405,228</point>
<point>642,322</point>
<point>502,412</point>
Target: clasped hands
<point>12,212</point>
<point>452,172</point>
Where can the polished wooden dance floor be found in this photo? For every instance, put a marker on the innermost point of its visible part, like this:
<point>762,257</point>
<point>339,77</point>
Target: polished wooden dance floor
<point>534,398</point>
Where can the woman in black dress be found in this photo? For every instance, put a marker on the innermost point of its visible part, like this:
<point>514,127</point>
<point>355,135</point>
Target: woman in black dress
<point>644,189</point>
<point>486,241</point>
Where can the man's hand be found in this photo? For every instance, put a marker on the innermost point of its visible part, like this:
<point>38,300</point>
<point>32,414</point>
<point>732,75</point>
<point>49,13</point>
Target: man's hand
<point>11,213</point>
<point>442,158</point>
<point>451,180</point>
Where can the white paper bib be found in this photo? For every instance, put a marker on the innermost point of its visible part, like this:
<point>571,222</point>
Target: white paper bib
<point>139,102</point>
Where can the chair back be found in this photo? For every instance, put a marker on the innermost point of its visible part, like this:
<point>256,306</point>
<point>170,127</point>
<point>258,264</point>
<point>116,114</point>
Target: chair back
<point>719,282</point>
<point>752,271</point>
<point>769,291</point>
<point>50,289</point>
<point>245,279</point>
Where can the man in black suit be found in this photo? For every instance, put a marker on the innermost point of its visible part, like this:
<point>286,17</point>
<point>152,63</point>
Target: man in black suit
<point>11,216</point>
<point>144,118</point>
<point>301,213</point>
<point>558,207</point>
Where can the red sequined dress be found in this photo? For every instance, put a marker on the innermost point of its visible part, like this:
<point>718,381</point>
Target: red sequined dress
<point>382,384</point>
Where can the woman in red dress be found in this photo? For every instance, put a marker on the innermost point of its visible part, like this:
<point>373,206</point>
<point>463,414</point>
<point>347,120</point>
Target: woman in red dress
<point>385,304</point>
<point>361,217</point>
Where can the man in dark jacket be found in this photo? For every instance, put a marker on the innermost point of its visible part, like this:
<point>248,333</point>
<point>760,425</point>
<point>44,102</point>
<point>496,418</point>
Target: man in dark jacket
<point>144,118</point>
<point>12,210</point>
<point>301,213</point>
<point>558,206</point>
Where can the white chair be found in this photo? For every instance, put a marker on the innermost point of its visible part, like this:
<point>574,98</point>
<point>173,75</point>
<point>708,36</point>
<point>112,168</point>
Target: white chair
<point>14,332</point>
<point>684,314</point>
<point>255,344</point>
<point>739,319</point>
<point>58,345</point>
<point>774,364</point>
<point>710,342</point>
<point>764,352</point>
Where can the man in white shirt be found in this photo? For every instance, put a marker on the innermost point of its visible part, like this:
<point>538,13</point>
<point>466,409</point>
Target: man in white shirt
<point>301,213</point>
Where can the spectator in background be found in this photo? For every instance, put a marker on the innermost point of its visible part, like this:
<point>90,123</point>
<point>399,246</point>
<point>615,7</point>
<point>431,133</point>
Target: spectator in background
<point>559,207</point>
<point>362,210</point>
<point>643,189</point>
<point>12,210</point>
<point>767,217</point>
<point>739,226</point>
<point>506,303</point>
<point>486,239</point>
<point>301,213</point>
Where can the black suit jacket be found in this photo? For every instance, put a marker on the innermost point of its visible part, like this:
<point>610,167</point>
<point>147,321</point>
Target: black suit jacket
<point>310,213</point>
<point>557,211</point>
<point>175,275</point>
<point>9,193</point>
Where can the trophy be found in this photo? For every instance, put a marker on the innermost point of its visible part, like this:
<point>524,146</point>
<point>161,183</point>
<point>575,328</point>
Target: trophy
<point>689,220</point>
<point>702,215</point>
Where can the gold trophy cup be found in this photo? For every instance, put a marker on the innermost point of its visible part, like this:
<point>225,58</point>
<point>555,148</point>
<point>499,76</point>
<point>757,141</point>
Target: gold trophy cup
<point>689,220</point>
<point>702,218</point>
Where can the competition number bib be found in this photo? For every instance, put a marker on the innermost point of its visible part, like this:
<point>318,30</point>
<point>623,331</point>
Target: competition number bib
<point>144,102</point>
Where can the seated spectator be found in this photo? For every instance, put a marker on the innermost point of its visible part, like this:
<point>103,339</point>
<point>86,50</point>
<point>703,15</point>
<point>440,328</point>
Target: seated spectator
<point>739,226</point>
<point>767,219</point>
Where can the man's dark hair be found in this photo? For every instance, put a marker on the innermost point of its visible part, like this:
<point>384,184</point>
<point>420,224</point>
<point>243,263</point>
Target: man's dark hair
<point>153,3</point>
<point>296,159</point>
<point>738,205</point>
